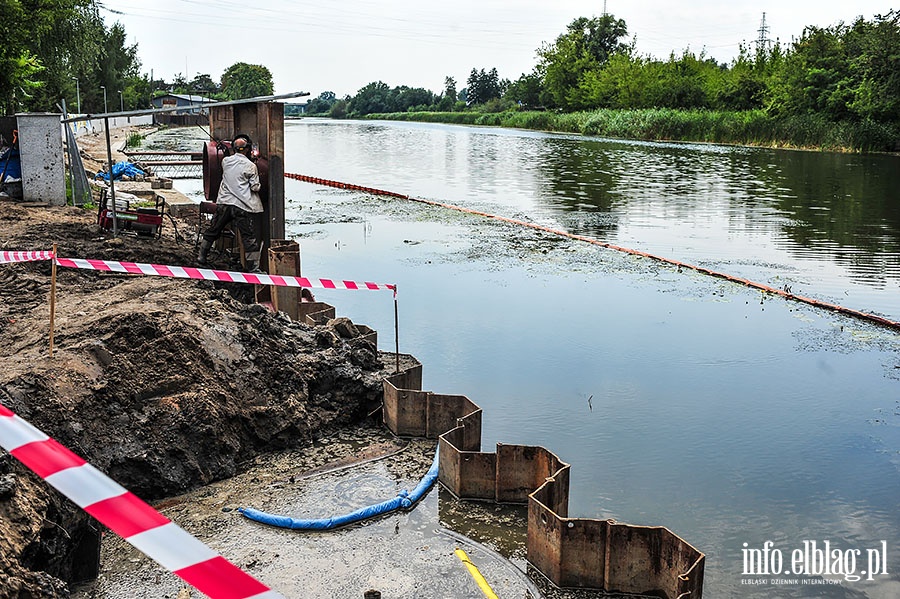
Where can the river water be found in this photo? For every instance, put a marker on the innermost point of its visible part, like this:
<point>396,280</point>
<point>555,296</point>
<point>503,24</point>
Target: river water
<point>731,417</point>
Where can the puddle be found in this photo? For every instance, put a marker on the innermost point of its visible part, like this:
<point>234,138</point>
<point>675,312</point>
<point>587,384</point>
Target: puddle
<point>406,554</point>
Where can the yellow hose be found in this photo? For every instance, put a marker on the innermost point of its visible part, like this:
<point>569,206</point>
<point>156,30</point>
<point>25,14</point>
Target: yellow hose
<point>479,579</point>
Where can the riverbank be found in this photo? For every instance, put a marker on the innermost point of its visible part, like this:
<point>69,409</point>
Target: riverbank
<point>749,128</point>
<point>163,384</point>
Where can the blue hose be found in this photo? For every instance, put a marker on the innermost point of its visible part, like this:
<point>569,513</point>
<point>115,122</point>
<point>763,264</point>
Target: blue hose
<point>403,500</point>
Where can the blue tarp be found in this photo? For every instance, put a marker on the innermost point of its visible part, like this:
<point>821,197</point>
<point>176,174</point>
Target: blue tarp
<point>10,165</point>
<point>403,500</point>
<point>121,169</point>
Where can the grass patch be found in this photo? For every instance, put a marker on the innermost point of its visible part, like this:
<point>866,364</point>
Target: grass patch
<point>134,140</point>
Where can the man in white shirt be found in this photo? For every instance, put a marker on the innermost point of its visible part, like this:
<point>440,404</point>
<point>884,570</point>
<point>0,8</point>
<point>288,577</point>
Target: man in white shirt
<point>237,202</point>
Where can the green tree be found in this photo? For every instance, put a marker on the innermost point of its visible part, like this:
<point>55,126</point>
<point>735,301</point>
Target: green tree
<point>242,80</point>
<point>473,88</point>
<point>43,45</point>
<point>137,92</point>
<point>625,81</point>
<point>339,109</point>
<point>375,97</point>
<point>744,84</point>
<point>448,97</point>
<point>684,80</point>
<point>405,98</point>
<point>115,66</point>
<point>322,104</point>
<point>180,85</point>
<point>876,67</point>
<point>525,91</point>
<point>18,64</point>
<point>483,86</point>
<point>585,47</point>
<point>814,77</point>
<point>203,83</point>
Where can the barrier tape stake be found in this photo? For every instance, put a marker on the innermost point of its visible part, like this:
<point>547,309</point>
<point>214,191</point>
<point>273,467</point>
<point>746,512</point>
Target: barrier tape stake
<point>52,297</point>
<point>396,329</point>
<point>112,183</point>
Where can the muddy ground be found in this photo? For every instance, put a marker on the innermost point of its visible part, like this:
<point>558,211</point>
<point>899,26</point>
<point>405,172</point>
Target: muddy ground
<point>163,384</point>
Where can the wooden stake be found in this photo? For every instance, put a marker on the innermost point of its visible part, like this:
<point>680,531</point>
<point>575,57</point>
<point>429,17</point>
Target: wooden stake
<point>52,297</point>
<point>396,330</point>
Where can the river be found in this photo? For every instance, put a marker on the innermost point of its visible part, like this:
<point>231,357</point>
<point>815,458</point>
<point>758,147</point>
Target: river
<point>731,417</point>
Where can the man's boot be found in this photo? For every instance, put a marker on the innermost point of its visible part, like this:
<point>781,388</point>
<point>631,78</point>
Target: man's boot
<point>203,254</point>
<point>251,261</point>
<point>253,267</point>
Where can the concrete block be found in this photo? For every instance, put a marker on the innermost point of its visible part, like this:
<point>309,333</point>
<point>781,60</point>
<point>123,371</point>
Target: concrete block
<point>43,162</point>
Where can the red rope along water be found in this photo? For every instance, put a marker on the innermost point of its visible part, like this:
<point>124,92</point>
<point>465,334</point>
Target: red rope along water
<point>766,288</point>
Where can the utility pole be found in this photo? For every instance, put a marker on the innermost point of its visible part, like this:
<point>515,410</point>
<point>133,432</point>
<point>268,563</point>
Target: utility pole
<point>604,8</point>
<point>78,93</point>
<point>763,41</point>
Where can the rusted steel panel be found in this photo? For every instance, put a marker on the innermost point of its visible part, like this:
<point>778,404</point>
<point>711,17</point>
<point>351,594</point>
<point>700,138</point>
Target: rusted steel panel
<point>476,475</point>
<point>274,153</point>
<point>690,581</point>
<point>544,540</point>
<point>368,335</point>
<point>221,122</point>
<point>633,559</point>
<point>583,553</point>
<point>469,475</point>
<point>472,431</point>
<point>444,412</point>
<point>521,469</point>
<point>284,259</point>
<point>411,412</point>
<point>554,492</point>
<point>313,313</point>
<point>448,461</point>
<point>649,560</point>
<point>411,378</point>
<point>389,408</point>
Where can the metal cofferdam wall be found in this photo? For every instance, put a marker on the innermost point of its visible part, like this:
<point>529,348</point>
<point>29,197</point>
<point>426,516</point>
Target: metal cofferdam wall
<point>570,552</point>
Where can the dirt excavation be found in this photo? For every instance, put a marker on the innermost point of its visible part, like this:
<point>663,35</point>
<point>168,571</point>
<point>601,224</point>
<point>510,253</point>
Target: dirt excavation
<point>163,384</point>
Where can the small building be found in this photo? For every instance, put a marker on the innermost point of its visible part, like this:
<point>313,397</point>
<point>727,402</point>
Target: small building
<point>191,104</point>
<point>191,110</point>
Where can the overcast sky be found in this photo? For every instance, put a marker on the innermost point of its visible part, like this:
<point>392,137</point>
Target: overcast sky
<point>318,46</point>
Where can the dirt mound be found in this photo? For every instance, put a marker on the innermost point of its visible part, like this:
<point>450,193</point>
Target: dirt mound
<point>163,384</point>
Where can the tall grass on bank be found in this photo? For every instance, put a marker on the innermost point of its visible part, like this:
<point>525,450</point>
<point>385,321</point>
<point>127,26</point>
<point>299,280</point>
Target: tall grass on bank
<point>753,127</point>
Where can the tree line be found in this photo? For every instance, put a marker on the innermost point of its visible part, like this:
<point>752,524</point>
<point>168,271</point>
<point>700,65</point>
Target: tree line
<point>63,49</point>
<point>845,72</point>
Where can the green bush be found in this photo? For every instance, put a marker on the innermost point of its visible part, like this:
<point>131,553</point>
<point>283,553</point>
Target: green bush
<point>134,140</point>
<point>747,127</point>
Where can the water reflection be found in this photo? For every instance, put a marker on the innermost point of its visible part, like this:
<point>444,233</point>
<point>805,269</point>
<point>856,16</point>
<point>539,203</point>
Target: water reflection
<point>828,225</point>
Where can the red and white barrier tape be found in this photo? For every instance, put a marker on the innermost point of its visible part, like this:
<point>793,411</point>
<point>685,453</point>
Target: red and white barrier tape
<point>188,272</point>
<point>126,515</point>
<point>7,257</point>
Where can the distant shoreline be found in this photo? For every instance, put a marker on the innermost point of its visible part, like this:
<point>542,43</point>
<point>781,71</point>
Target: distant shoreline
<point>754,128</point>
